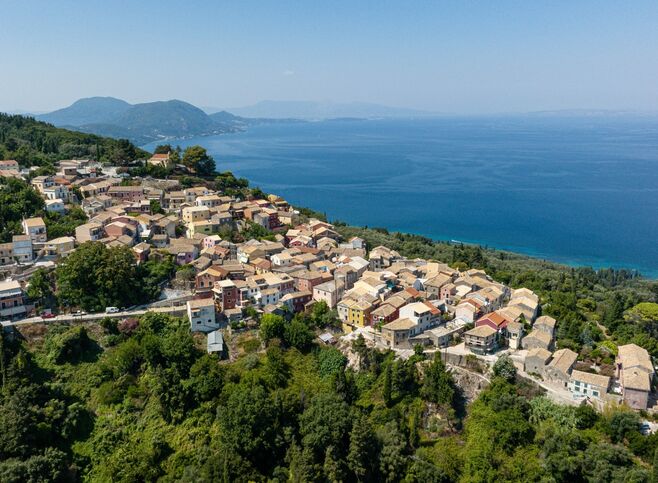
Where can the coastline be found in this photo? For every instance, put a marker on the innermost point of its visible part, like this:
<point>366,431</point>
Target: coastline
<point>546,213</point>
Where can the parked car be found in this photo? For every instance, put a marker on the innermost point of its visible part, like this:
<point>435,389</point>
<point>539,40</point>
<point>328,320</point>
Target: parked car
<point>47,315</point>
<point>112,310</point>
<point>78,313</point>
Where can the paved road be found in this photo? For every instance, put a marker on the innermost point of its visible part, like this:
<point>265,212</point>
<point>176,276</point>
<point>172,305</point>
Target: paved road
<point>174,310</point>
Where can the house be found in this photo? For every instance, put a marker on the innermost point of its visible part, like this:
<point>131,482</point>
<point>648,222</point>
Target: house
<point>36,229</point>
<point>269,296</point>
<point>9,164</point>
<point>495,321</point>
<point>545,323</point>
<point>537,339</point>
<point>141,251</point>
<point>120,228</point>
<point>346,275</point>
<point>421,313</point>
<point>434,285</point>
<point>7,254</point>
<point>226,294</point>
<point>12,303</point>
<point>443,336</point>
<point>40,183</point>
<point>185,253</point>
<point>201,313</point>
<point>126,193</point>
<point>527,301</point>
<point>535,360</point>
<point>91,231</point>
<point>282,259</point>
<point>514,334</point>
<point>396,334</point>
<point>359,313</point>
<point>162,160</point>
<point>173,201</point>
<point>296,301</point>
<point>60,247</point>
<point>56,192</point>
<point>384,314</point>
<point>587,384</point>
<point>22,248</point>
<point>215,342</point>
<point>635,375</point>
<point>559,369</point>
<point>481,340</point>
<point>55,206</point>
<point>329,292</point>
<point>195,213</point>
<point>468,311</point>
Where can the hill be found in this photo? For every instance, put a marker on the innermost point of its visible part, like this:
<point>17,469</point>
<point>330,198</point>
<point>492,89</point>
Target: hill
<point>145,122</point>
<point>36,143</point>
<point>87,111</point>
<point>152,121</point>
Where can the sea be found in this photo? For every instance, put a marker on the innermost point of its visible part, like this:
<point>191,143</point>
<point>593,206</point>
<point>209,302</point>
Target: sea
<point>575,190</point>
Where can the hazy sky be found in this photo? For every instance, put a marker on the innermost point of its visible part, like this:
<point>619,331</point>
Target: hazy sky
<point>453,56</point>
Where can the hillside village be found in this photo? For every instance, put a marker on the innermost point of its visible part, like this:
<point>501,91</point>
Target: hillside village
<point>392,302</point>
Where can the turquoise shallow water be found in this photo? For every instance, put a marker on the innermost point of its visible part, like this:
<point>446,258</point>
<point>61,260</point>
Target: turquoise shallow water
<point>577,191</point>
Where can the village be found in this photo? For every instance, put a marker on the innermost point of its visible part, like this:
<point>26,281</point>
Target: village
<point>392,302</point>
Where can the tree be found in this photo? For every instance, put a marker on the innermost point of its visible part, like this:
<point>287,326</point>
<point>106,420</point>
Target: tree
<point>277,371</point>
<point>248,423</point>
<point>386,390</point>
<point>362,450</point>
<point>392,458</point>
<point>438,386</point>
<point>94,277</point>
<point>40,289</point>
<point>272,326</point>
<point>504,367</point>
<point>198,159</point>
<point>298,335</point>
<point>326,422</point>
<point>331,361</point>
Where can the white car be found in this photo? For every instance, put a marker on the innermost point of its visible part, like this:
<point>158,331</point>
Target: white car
<point>111,310</point>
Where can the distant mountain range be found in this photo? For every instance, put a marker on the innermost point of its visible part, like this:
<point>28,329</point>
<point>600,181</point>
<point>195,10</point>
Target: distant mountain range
<point>142,123</point>
<point>312,110</point>
<point>152,121</point>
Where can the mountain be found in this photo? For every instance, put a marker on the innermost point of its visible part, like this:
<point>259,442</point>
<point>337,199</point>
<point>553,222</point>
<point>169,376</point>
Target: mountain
<point>160,120</point>
<point>140,123</point>
<point>87,111</point>
<point>324,110</point>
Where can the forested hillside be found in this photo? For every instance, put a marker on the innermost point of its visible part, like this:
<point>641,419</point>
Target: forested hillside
<point>141,401</point>
<point>36,143</point>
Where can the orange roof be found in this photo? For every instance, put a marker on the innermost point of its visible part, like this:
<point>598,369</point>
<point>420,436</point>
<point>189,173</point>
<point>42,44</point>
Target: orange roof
<point>433,309</point>
<point>160,156</point>
<point>412,291</point>
<point>494,317</point>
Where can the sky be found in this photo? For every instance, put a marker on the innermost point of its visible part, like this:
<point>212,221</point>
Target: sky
<point>459,56</point>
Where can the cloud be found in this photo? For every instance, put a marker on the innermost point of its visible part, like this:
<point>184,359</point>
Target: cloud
<point>288,72</point>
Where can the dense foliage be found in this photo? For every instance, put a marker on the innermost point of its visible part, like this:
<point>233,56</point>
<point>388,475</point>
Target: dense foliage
<point>35,143</point>
<point>17,201</point>
<point>94,277</point>
<point>142,402</point>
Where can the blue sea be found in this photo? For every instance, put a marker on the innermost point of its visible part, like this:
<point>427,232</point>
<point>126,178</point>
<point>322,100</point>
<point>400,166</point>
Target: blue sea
<point>580,191</point>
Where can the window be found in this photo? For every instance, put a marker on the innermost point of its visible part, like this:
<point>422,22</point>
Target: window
<point>595,393</point>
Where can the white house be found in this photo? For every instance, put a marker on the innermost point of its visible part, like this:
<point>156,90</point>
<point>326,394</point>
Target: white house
<point>202,317</point>
<point>55,206</point>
